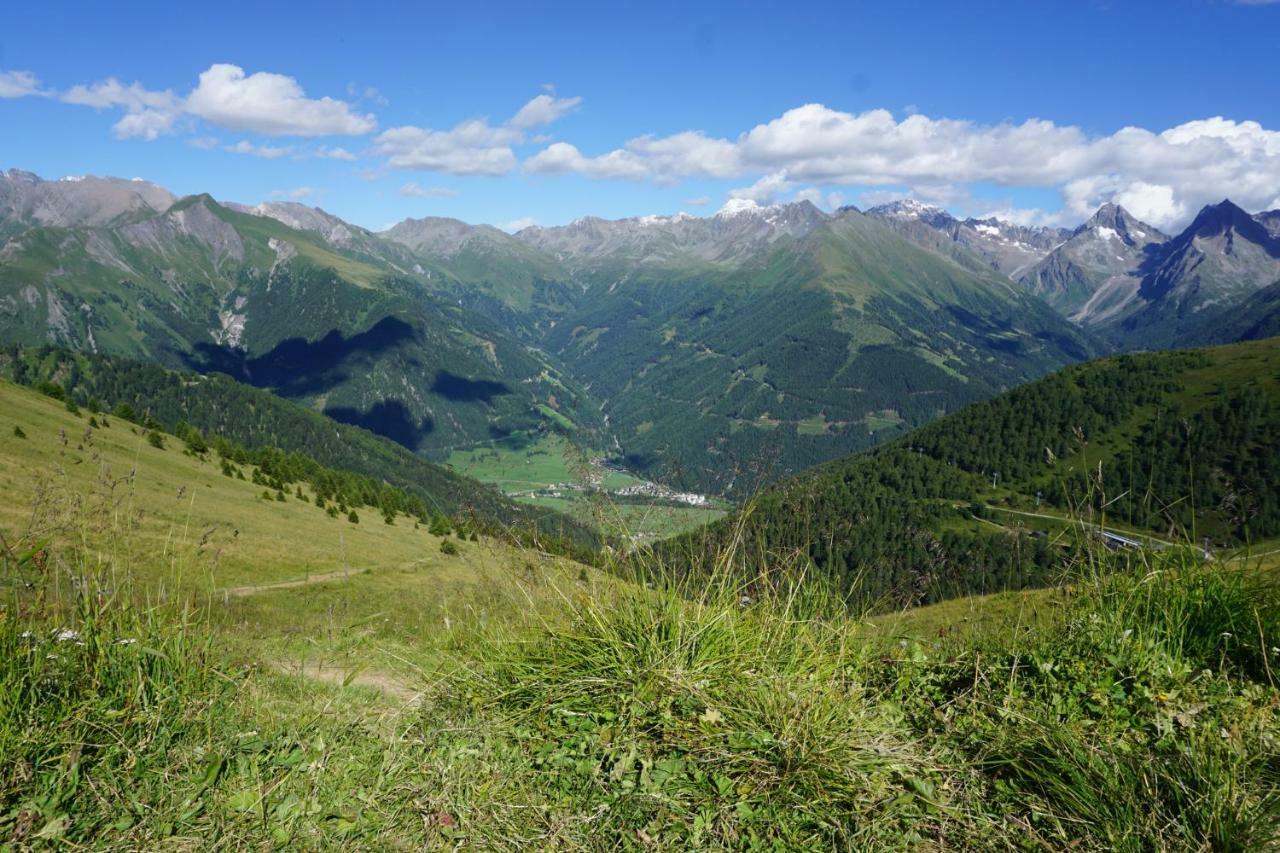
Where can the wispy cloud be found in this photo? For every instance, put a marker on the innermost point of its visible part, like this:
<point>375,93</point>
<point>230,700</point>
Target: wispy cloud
<point>518,224</point>
<point>296,193</point>
<point>267,152</point>
<point>543,110</point>
<point>19,84</point>
<point>336,153</point>
<point>412,190</point>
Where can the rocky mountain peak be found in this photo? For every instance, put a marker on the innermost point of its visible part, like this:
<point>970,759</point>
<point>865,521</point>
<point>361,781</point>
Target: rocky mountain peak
<point>1270,220</point>
<point>1215,220</point>
<point>794,212</point>
<point>76,200</point>
<point>1113,222</point>
<point>442,235</point>
<point>302,218</point>
<point>910,209</point>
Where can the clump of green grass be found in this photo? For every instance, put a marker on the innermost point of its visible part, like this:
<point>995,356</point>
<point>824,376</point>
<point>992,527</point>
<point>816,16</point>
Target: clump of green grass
<point>1142,720</point>
<point>712,716</point>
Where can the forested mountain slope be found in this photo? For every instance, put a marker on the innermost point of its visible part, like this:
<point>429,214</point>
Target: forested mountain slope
<point>711,352</point>
<point>1178,443</point>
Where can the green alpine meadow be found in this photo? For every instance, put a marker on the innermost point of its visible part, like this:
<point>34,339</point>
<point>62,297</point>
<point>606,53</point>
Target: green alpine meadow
<point>644,427</point>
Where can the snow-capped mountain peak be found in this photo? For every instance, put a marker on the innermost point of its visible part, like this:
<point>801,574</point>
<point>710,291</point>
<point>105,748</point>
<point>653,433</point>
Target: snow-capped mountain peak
<point>907,208</point>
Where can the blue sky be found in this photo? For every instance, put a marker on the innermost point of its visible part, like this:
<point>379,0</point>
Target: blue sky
<point>386,110</point>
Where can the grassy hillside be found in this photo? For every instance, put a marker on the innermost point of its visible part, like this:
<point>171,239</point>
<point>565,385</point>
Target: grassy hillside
<point>256,419</point>
<point>49,456</point>
<point>1166,445</point>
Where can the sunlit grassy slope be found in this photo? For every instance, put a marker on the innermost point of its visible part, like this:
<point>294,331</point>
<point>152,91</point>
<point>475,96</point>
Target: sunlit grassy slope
<point>295,581</point>
<point>174,501</point>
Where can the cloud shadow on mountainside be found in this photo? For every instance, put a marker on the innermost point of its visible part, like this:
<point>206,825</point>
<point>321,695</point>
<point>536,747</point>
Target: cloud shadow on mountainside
<point>388,418</point>
<point>459,389</point>
<point>296,367</point>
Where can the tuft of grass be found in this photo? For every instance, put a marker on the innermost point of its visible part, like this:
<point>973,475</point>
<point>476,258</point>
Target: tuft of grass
<point>714,715</point>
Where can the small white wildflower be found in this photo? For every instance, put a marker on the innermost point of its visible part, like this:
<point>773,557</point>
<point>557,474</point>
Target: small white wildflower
<point>125,641</point>
<point>52,657</point>
<point>1128,632</point>
<point>28,636</point>
<point>66,635</point>
<point>1227,635</point>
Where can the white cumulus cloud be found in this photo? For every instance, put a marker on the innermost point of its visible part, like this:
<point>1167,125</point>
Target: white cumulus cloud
<point>148,114</point>
<point>264,103</point>
<point>471,147</point>
<point>270,104</point>
<point>1163,176</point>
<point>764,190</point>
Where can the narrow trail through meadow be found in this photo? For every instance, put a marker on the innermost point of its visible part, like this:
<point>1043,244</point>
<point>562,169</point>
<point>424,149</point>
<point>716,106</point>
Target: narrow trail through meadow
<point>325,577</point>
<point>388,685</point>
<point>340,676</point>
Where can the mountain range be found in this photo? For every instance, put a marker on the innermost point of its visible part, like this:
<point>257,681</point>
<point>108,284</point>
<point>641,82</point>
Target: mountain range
<point>710,352</point>
<point>1124,280</point>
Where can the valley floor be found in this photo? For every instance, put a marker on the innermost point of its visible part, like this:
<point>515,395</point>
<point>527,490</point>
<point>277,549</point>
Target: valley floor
<point>548,471</point>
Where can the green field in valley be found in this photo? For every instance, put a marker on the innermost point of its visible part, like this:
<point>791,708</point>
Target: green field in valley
<point>549,471</point>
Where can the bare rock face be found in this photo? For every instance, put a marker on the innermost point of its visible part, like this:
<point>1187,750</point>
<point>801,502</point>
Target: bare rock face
<point>302,218</point>
<point>1090,275</point>
<point>737,233</point>
<point>28,200</point>
<point>1270,220</point>
<point>195,221</point>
